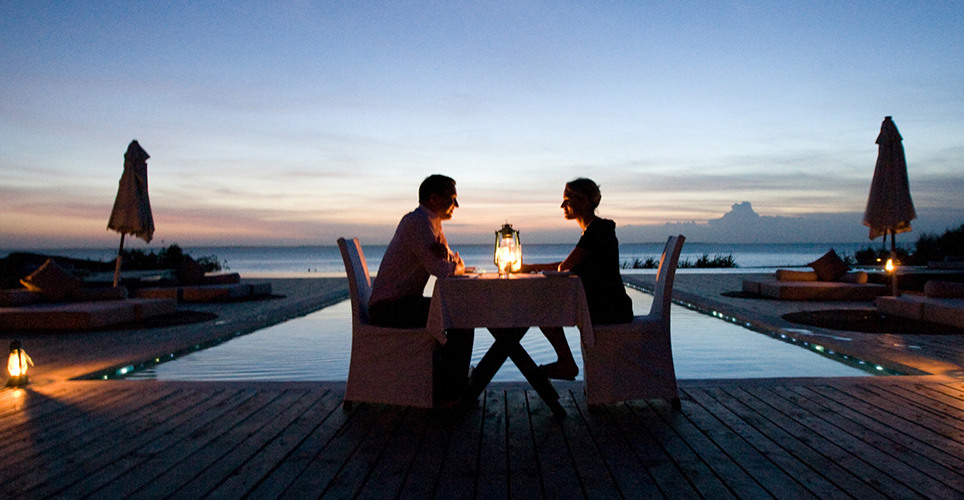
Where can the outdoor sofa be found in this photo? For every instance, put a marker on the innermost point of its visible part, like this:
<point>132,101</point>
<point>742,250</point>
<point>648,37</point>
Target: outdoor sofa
<point>942,302</point>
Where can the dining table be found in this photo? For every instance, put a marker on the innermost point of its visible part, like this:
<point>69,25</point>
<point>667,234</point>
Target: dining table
<point>508,306</point>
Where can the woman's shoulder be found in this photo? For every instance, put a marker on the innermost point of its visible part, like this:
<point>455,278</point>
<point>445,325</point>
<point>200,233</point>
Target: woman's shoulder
<point>600,224</point>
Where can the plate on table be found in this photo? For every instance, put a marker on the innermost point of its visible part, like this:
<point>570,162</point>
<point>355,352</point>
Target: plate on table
<point>556,273</point>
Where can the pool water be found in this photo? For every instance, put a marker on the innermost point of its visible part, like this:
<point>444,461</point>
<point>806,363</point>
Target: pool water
<point>317,347</point>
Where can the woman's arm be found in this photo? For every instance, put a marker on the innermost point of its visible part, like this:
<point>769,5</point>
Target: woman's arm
<point>576,257</point>
<point>534,268</point>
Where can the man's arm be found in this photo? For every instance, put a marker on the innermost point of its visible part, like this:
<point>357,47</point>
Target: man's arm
<point>434,255</point>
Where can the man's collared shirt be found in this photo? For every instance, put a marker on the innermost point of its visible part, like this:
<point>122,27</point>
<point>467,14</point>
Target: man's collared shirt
<point>417,250</point>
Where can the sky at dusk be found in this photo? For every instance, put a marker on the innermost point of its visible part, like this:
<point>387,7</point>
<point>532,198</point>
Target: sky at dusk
<point>296,122</point>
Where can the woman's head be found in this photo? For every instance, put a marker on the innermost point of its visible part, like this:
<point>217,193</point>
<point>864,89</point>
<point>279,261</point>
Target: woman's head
<point>579,200</point>
<point>585,188</point>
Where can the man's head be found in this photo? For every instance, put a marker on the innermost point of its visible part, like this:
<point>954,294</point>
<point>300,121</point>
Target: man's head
<point>437,193</point>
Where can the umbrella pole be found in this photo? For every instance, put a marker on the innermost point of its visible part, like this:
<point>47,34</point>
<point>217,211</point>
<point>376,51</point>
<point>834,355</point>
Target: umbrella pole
<point>893,257</point>
<point>117,265</point>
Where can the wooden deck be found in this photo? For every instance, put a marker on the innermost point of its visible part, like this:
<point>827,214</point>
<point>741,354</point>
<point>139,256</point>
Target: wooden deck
<point>894,437</point>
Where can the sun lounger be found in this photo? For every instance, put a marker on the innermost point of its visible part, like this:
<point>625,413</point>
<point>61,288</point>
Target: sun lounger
<point>53,299</point>
<point>942,302</point>
<point>804,285</point>
<point>830,280</point>
<point>85,315</point>
<point>206,293</point>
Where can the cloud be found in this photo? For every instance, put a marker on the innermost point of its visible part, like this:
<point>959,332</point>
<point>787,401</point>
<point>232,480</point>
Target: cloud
<point>743,225</point>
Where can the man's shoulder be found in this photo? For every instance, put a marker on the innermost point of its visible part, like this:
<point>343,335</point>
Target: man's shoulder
<point>416,215</point>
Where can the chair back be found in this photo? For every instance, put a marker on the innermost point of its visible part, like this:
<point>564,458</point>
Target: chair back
<point>359,281</point>
<point>663,290</point>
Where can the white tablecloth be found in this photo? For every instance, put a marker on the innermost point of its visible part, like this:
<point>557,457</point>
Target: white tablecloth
<point>521,300</point>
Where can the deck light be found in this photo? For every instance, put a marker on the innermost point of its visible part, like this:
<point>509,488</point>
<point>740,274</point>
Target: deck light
<point>17,365</point>
<point>508,250</point>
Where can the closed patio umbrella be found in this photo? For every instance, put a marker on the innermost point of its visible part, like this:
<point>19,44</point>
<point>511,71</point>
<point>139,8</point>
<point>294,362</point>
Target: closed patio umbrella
<point>889,206</point>
<point>132,207</point>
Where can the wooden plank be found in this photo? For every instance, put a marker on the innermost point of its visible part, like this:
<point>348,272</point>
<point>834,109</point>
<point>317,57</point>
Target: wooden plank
<point>559,475</point>
<point>193,451</point>
<point>729,472</point>
<point>50,426</point>
<point>205,468</point>
<point>920,410</point>
<point>139,463</point>
<point>493,462</point>
<point>905,464</point>
<point>631,476</point>
<point>51,449</point>
<point>392,469</point>
<point>21,403</point>
<point>674,467</point>
<point>114,471</point>
<point>525,480</point>
<point>282,477</point>
<point>274,453</point>
<point>942,448</point>
<point>875,467</point>
<point>593,472</point>
<point>755,453</point>
<point>327,462</point>
<point>460,469</point>
<point>766,421</point>
<point>243,443</point>
<point>915,445</point>
<point>352,476</point>
<point>424,474</point>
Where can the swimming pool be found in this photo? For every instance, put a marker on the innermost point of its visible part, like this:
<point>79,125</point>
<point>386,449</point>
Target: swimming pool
<point>317,347</point>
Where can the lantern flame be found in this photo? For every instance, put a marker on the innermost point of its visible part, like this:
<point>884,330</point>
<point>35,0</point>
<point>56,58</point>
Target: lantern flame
<point>18,361</point>
<point>889,266</point>
<point>508,250</point>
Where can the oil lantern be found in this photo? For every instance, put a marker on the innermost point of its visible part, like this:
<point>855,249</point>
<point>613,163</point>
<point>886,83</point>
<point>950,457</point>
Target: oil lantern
<point>17,365</point>
<point>508,250</point>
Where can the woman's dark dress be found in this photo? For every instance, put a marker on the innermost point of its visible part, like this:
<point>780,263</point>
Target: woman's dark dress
<point>608,302</point>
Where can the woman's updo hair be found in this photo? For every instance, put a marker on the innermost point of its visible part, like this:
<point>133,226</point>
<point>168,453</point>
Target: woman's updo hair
<point>587,189</point>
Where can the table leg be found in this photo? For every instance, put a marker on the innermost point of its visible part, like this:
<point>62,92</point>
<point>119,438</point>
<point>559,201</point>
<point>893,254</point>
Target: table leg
<point>488,366</point>
<point>536,378</point>
<point>507,345</point>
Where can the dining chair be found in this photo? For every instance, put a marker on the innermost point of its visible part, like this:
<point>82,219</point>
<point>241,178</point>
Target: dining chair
<point>635,360</point>
<point>388,365</point>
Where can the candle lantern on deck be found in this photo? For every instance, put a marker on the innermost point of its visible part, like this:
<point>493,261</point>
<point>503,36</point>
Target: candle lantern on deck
<point>508,250</point>
<point>17,365</point>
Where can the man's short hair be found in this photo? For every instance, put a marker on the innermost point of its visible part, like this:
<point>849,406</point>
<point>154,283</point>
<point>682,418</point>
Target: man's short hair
<point>434,184</point>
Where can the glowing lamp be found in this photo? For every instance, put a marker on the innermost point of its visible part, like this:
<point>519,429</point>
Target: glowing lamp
<point>889,266</point>
<point>508,250</point>
<point>17,365</point>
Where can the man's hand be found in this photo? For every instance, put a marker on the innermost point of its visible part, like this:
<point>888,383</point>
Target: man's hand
<point>459,264</point>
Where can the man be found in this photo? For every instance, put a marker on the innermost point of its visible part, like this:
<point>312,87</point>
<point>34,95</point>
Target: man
<point>419,249</point>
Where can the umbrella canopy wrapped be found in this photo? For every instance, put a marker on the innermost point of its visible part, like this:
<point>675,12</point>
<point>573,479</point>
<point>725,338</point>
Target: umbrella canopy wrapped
<point>889,206</point>
<point>132,207</point>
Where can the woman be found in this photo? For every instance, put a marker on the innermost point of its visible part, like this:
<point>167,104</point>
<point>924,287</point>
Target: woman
<point>596,261</point>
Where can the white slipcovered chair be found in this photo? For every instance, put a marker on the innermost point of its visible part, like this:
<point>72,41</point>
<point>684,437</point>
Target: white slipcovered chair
<point>388,365</point>
<point>635,360</point>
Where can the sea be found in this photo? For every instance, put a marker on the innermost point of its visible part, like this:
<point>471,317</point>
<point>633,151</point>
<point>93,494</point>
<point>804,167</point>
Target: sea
<point>326,261</point>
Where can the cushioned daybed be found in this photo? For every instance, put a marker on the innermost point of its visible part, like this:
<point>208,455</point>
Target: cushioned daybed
<point>194,285</point>
<point>942,302</point>
<point>830,280</point>
<point>53,299</point>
